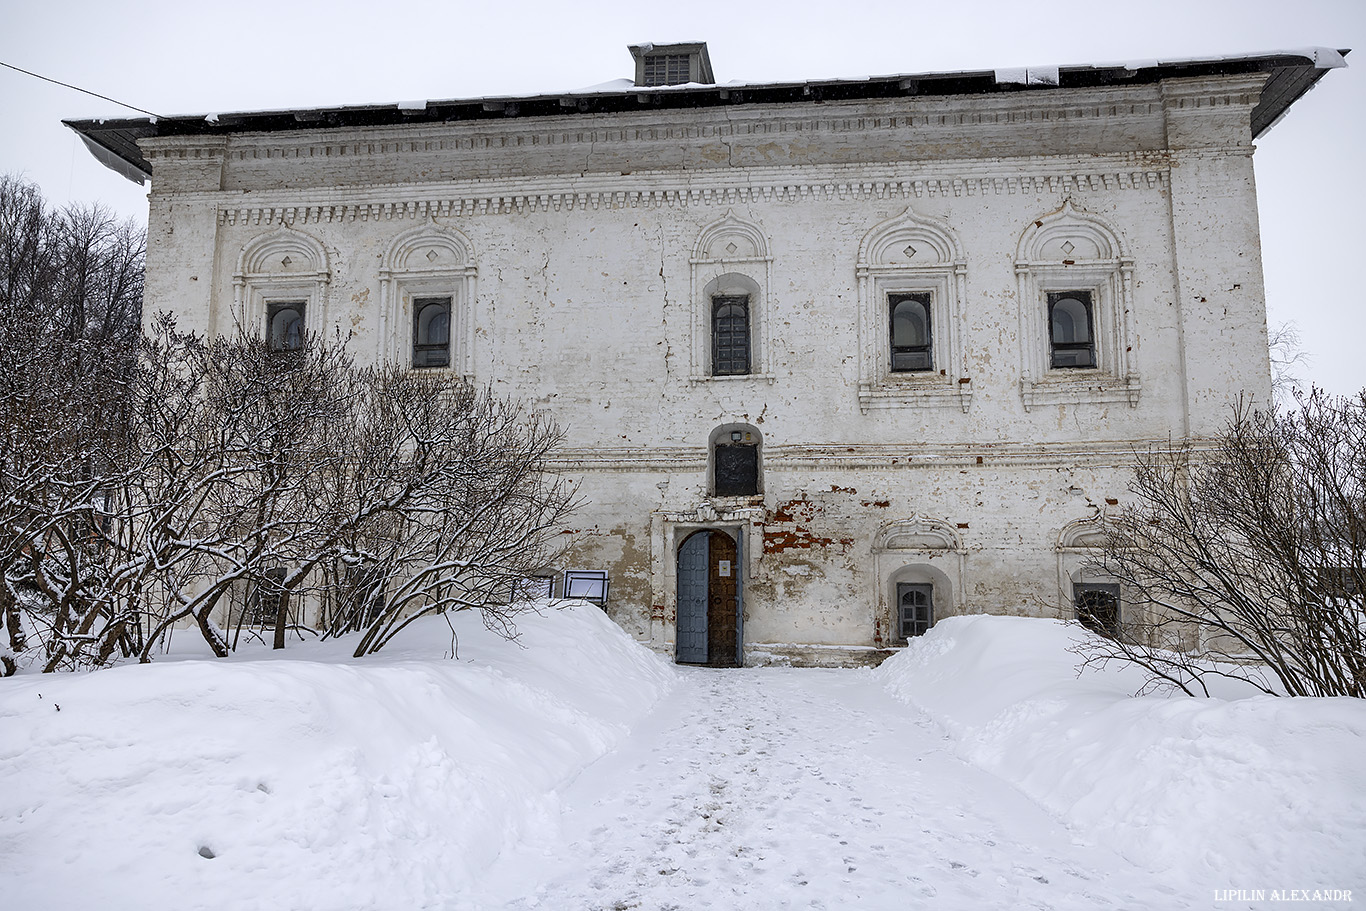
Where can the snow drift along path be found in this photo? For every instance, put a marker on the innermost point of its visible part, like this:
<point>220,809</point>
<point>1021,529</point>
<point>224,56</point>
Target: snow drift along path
<point>783,788</point>
<point>305,779</point>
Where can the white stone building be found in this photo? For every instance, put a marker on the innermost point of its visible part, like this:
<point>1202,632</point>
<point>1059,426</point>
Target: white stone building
<point>888,344</point>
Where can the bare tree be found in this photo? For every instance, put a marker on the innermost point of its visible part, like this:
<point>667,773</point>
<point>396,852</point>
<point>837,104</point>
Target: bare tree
<point>1288,358</point>
<point>70,303</point>
<point>150,482</point>
<point>1250,554</point>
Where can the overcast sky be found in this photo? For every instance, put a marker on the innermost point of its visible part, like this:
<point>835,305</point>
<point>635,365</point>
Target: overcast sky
<point>179,57</point>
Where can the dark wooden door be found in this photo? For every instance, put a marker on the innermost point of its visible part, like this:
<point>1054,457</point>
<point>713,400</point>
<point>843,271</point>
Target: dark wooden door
<point>722,602</point>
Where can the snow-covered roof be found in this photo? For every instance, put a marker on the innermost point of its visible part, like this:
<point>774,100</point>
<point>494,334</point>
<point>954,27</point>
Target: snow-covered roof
<point>1290,73</point>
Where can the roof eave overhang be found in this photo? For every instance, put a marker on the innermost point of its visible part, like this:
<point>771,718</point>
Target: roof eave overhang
<point>1289,76</point>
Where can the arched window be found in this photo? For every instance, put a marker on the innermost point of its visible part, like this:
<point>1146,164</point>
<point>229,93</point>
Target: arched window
<point>432,332</point>
<point>1075,286</point>
<point>915,609</point>
<point>912,280</point>
<point>1097,606</point>
<point>730,282</point>
<point>911,348</point>
<point>1072,338</point>
<point>427,294</point>
<point>730,345</point>
<point>280,287</point>
<point>285,330</point>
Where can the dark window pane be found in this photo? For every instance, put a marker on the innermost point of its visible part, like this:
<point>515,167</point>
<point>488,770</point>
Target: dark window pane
<point>730,336</point>
<point>911,335</point>
<point>361,595</point>
<point>1098,608</point>
<point>1070,329</point>
<point>285,325</point>
<point>263,600</point>
<point>737,470</point>
<point>432,332</point>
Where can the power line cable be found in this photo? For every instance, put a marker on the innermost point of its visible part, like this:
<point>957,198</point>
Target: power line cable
<point>77,88</point>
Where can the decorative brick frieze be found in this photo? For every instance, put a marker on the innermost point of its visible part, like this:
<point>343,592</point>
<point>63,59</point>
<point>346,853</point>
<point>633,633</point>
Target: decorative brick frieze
<point>476,203</point>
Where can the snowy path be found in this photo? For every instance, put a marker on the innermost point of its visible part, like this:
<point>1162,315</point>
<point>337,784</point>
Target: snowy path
<point>777,788</point>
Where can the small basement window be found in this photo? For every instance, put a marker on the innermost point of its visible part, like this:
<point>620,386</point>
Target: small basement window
<point>915,609</point>
<point>533,588</point>
<point>1097,607</point>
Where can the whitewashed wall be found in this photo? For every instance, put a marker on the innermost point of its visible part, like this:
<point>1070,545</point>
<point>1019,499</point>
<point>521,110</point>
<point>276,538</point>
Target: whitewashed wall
<point>579,253</point>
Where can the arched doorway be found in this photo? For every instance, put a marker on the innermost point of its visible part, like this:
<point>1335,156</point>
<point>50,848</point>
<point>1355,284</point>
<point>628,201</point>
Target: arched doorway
<point>709,600</point>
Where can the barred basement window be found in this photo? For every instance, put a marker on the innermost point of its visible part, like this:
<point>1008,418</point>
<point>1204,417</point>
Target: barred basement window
<point>730,335</point>
<point>285,325</point>
<point>432,332</point>
<point>915,609</point>
<point>1098,607</point>
<point>910,331</point>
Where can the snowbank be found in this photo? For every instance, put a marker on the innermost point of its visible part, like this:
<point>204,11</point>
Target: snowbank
<point>1242,793</point>
<point>310,780</point>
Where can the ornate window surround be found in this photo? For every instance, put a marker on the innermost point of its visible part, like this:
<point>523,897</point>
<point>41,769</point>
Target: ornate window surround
<point>1069,250</point>
<point>1079,543</point>
<point>919,549</point>
<point>731,257</point>
<point>284,265</point>
<point>911,253</point>
<point>430,260</point>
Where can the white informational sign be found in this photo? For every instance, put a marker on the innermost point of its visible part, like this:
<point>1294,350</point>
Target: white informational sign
<point>725,568</point>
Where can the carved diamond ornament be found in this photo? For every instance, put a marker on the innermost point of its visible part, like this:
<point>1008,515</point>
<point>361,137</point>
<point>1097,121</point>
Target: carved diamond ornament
<point>731,248</point>
<point>910,251</point>
<point>286,261</point>
<point>1068,247</point>
<point>431,256</point>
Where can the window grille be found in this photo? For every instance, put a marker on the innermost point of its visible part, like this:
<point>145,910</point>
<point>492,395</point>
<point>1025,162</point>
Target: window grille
<point>915,609</point>
<point>667,69</point>
<point>1098,608</point>
<point>730,335</point>
<point>737,470</point>
<point>263,601</point>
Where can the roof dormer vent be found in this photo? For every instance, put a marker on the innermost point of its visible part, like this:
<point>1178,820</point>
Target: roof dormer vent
<point>672,64</point>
